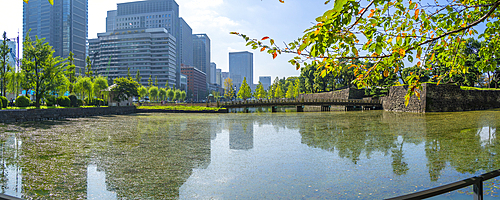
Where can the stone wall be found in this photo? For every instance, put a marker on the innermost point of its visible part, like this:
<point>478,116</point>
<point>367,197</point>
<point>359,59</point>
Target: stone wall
<point>52,114</point>
<point>349,93</point>
<point>441,98</point>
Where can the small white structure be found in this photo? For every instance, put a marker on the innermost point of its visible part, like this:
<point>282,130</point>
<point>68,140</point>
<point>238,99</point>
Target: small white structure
<point>111,95</point>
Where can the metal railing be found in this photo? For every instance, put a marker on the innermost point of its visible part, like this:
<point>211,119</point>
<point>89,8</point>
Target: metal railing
<point>476,182</point>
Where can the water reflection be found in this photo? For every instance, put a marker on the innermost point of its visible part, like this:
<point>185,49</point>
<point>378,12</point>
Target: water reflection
<point>285,155</point>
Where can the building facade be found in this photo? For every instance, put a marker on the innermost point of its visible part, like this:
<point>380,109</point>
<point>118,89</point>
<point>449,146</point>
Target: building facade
<point>218,78</point>
<point>201,53</point>
<point>213,71</point>
<point>241,66</point>
<point>196,83</point>
<point>150,14</point>
<point>266,81</point>
<point>186,44</point>
<point>64,26</point>
<point>224,76</point>
<point>151,51</point>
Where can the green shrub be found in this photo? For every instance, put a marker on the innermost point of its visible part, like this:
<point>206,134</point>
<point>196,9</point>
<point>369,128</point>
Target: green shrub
<point>50,100</point>
<point>63,101</point>
<point>5,102</point>
<point>94,102</point>
<point>73,100</point>
<point>79,103</point>
<point>22,101</point>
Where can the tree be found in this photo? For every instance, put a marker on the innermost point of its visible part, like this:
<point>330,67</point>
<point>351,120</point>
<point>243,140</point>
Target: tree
<point>228,89</point>
<point>153,93</point>
<point>177,94</point>
<point>290,92</point>
<point>138,77</point>
<point>15,81</point>
<point>143,92</point>
<point>278,93</point>
<point>183,95</point>
<point>124,89</point>
<point>84,87</point>
<point>88,68</point>
<point>156,80</point>
<point>71,73</point>
<point>128,73</point>
<point>245,92</point>
<point>5,66</point>
<point>150,82</point>
<point>41,69</point>
<point>100,84</point>
<point>170,94</point>
<point>162,94</point>
<point>297,88</point>
<point>260,92</point>
<point>392,33</point>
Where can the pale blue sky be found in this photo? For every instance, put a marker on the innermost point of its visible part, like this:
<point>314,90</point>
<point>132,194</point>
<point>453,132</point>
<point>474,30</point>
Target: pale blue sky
<point>283,22</point>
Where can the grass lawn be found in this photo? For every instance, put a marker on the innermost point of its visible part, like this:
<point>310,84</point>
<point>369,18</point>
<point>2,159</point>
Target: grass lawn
<point>189,108</point>
<point>475,88</point>
<point>47,107</point>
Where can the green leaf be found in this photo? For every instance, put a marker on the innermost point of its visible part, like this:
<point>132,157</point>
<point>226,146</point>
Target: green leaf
<point>339,4</point>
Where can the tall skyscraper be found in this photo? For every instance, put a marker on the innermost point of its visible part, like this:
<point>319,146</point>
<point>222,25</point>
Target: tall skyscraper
<point>240,66</point>
<point>213,71</point>
<point>201,54</point>
<point>186,56</point>
<point>64,26</point>
<point>218,77</point>
<point>266,81</point>
<point>149,14</point>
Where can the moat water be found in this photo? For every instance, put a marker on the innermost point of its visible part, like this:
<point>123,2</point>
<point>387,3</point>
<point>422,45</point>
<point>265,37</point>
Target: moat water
<point>330,155</point>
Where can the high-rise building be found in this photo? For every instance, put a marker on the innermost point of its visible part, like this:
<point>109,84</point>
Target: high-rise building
<point>12,56</point>
<point>149,51</point>
<point>224,76</point>
<point>196,84</point>
<point>241,66</point>
<point>266,81</point>
<point>218,78</point>
<point>201,53</point>
<point>213,71</point>
<point>111,21</point>
<point>150,14</point>
<point>186,44</point>
<point>64,26</point>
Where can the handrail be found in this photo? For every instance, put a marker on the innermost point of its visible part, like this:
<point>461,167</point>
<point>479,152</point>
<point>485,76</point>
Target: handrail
<point>476,181</point>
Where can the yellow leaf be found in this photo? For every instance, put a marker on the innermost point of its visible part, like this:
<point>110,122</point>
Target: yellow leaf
<point>432,57</point>
<point>402,52</point>
<point>389,40</point>
<point>316,32</point>
<point>464,25</point>
<point>419,63</point>
<point>361,11</point>
<point>386,73</point>
<point>416,13</point>
<point>398,38</point>
<point>26,1</point>
<point>396,69</point>
<point>51,2</point>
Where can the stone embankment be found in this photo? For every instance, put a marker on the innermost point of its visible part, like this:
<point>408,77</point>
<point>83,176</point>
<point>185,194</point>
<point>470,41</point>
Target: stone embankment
<point>441,98</point>
<point>54,114</point>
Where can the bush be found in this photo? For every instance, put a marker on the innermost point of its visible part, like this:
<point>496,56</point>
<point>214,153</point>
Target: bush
<point>79,103</point>
<point>5,102</point>
<point>94,102</point>
<point>73,100</point>
<point>63,101</point>
<point>22,101</point>
<point>50,100</point>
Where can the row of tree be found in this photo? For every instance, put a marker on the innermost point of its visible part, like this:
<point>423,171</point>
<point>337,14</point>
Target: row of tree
<point>161,94</point>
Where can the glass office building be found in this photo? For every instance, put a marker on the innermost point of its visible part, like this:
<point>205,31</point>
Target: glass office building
<point>64,26</point>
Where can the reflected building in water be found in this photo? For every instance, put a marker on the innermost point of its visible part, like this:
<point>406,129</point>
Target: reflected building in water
<point>241,136</point>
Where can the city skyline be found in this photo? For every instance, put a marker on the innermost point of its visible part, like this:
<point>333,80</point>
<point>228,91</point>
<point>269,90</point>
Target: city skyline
<point>217,18</point>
